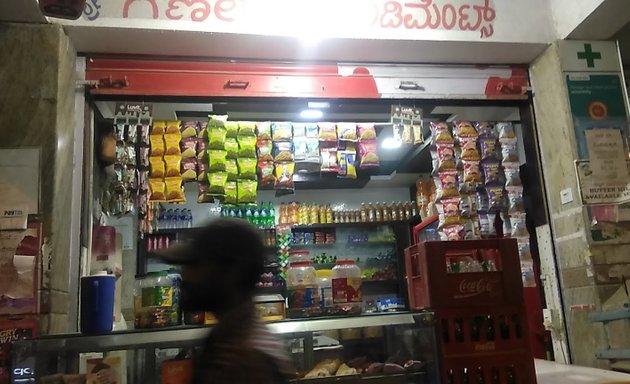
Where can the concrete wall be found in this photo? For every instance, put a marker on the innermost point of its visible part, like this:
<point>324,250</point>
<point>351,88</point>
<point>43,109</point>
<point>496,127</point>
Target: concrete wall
<point>589,273</point>
<point>37,74</point>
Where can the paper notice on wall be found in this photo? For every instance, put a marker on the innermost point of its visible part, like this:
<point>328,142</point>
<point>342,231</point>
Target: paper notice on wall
<point>607,156</point>
<point>597,192</point>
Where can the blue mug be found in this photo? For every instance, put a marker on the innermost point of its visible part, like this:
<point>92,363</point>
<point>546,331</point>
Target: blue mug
<point>97,303</point>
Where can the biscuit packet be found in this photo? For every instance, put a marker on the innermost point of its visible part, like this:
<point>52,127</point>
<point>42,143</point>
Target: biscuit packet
<point>189,169</point>
<point>188,129</point>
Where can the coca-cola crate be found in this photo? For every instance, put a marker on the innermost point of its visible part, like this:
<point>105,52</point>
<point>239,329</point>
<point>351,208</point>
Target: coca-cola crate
<point>498,368</point>
<point>482,330</point>
<point>431,285</point>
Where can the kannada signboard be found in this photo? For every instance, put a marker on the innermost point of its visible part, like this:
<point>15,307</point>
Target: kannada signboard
<point>594,191</point>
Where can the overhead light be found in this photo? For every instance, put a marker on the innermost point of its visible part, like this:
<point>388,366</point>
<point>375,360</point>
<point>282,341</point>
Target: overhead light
<point>391,143</point>
<point>311,114</point>
<point>319,104</point>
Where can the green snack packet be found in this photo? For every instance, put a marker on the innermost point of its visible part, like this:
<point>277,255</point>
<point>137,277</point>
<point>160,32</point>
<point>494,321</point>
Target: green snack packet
<point>217,182</point>
<point>216,160</point>
<point>231,146</point>
<point>216,138</point>
<point>231,168</point>
<point>247,191</point>
<point>246,128</point>
<point>216,121</point>
<point>231,192</point>
<point>247,168</point>
<point>247,146</point>
<point>232,128</point>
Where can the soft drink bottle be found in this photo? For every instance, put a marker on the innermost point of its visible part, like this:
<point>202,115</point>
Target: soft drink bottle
<point>189,218</point>
<point>271,215</point>
<point>264,216</point>
<point>168,219</point>
<point>248,214</point>
<point>256,216</point>
<point>183,218</point>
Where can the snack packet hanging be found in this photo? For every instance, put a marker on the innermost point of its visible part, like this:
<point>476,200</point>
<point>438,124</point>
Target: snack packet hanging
<point>216,160</point>
<point>157,145</point>
<point>158,190</point>
<point>446,184</point>
<point>188,147</point>
<point>202,132</point>
<point>509,153</point>
<point>512,175</point>
<point>486,129</point>
<point>440,133</point>
<point>284,177</point>
<point>369,155</point>
<point>216,182</point>
<point>246,128</point>
<point>472,174</point>
<point>445,153</point>
<point>202,171</point>
<point>143,134</point>
<point>347,132</point>
<point>231,167</point>
<point>247,191</point>
<point>158,128</point>
<point>217,121</point>
<point>506,133</point>
<point>417,133</point>
<point>495,197</point>
<point>189,169</point>
<point>202,192</point>
<point>263,130</point>
<point>312,131</point>
<point>246,168</point>
<point>452,233</point>
<point>188,129</point>
<point>216,138</point>
<point>231,192</point>
<point>171,141</point>
<point>347,166</point>
<point>299,130</point>
<point>143,158</point>
<point>449,211</point>
<point>464,130</point>
<point>483,202</point>
<point>312,150</point>
<point>329,160</point>
<point>247,146</point>
<point>468,205</point>
<point>488,145</point>
<point>172,166</point>
<point>469,150</point>
<point>158,168</point>
<point>265,150</point>
<point>172,127</point>
<point>282,151</point>
<point>266,173</point>
<point>519,226</point>
<point>174,190</point>
<point>299,148</point>
<point>231,147</point>
<point>516,204</point>
<point>202,149</point>
<point>366,132</point>
<point>231,128</point>
<point>327,132</point>
<point>491,171</point>
<point>281,131</point>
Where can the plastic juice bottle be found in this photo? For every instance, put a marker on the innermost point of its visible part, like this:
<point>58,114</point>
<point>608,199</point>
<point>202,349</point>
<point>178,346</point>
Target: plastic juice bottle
<point>387,212</point>
<point>364,214</point>
<point>313,215</point>
<point>329,215</point>
<point>294,213</point>
<point>401,211</point>
<point>322,214</point>
<point>378,212</point>
<point>394,210</point>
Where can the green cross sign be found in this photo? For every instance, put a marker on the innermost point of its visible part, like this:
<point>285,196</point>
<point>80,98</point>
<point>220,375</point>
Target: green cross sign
<point>589,56</point>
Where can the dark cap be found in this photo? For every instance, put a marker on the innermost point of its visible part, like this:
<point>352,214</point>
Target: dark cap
<point>224,241</point>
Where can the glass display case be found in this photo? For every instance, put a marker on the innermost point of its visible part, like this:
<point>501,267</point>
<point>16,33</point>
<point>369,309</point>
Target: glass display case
<point>375,348</point>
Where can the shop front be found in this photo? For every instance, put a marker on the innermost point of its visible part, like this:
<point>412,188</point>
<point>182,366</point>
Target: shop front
<point>343,168</point>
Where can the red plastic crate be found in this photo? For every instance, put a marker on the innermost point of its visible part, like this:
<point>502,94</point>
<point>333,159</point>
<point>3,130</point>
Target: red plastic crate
<point>497,368</point>
<point>484,330</point>
<point>430,285</point>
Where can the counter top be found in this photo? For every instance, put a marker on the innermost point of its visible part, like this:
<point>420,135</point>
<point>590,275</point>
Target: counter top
<point>549,372</point>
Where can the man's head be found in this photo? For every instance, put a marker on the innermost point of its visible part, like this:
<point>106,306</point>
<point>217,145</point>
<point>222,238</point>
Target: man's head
<point>221,264</point>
